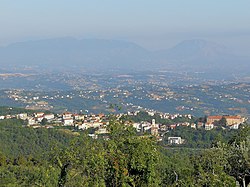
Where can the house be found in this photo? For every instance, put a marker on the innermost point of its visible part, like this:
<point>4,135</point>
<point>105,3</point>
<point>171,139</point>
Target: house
<point>31,121</point>
<point>185,124</point>
<point>231,120</point>
<point>10,116</point>
<point>175,140</point>
<point>173,126</point>
<point>39,114</point>
<point>40,118</point>
<point>209,126</point>
<point>193,125</point>
<point>145,126</point>
<point>96,124</point>
<point>49,116</point>
<point>22,116</point>
<point>102,130</point>
<point>81,117</point>
<point>68,122</point>
<point>137,126</point>
<point>76,116</point>
<point>234,126</point>
<point>67,115</point>
<point>94,136</point>
<point>83,126</point>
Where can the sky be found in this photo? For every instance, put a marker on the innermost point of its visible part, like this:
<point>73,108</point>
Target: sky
<point>154,24</point>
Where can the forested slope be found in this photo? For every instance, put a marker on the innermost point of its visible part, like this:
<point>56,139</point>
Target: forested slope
<point>50,157</point>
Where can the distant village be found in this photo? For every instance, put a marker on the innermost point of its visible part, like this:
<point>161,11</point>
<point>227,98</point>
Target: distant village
<point>100,122</point>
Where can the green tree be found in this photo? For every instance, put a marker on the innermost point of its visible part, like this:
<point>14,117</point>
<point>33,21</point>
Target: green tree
<point>82,163</point>
<point>132,160</point>
<point>238,151</point>
<point>178,170</point>
<point>44,121</point>
<point>209,169</point>
<point>3,159</point>
<point>221,122</point>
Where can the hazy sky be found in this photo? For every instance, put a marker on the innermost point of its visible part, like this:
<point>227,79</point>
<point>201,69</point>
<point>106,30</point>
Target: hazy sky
<point>154,24</point>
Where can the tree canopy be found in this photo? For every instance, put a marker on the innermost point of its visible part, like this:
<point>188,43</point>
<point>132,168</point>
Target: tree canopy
<point>51,157</point>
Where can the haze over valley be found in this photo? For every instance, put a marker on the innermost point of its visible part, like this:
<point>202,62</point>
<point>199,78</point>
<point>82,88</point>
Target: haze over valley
<point>125,93</point>
<point>53,68</point>
<point>99,55</point>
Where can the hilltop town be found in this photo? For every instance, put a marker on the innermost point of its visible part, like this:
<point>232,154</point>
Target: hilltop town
<point>152,123</point>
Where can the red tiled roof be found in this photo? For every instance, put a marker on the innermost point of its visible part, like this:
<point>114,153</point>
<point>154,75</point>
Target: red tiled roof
<point>214,117</point>
<point>232,117</point>
<point>227,117</point>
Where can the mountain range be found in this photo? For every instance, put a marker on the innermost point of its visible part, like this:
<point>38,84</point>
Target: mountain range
<point>102,55</point>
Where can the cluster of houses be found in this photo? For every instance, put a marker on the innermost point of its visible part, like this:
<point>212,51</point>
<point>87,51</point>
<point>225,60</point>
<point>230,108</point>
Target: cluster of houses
<point>159,130</point>
<point>99,122</point>
<point>49,120</point>
<point>231,122</point>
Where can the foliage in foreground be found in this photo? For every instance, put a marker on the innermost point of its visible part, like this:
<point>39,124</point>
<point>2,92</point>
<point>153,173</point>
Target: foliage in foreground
<point>123,160</point>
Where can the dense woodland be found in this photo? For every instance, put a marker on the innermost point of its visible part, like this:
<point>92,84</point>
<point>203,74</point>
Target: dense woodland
<point>53,157</point>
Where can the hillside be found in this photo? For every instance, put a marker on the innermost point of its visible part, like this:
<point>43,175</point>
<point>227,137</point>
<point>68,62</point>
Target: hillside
<point>30,157</point>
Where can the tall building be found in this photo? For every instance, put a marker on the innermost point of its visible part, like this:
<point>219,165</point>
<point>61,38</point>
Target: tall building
<point>154,128</point>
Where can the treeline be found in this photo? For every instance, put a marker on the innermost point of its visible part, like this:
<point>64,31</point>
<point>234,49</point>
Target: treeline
<point>47,157</point>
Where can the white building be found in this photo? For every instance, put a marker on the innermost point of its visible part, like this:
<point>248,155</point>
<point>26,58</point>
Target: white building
<point>193,125</point>
<point>209,126</point>
<point>175,140</point>
<point>102,130</point>
<point>22,116</point>
<point>68,122</point>
<point>145,126</point>
<point>137,126</point>
<point>94,136</point>
<point>151,113</point>
<point>39,114</point>
<point>49,116</point>
<point>67,115</point>
<point>83,126</point>
<point>31,121</point>
<point>234,126</point>
<point>39,119</point>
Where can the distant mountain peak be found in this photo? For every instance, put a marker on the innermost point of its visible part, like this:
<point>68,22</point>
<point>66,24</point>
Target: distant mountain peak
<point>102,54</point>
<point>196,45</point>
<point>194,49</point>
<point>68,52</point>
<point>197,42</point>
